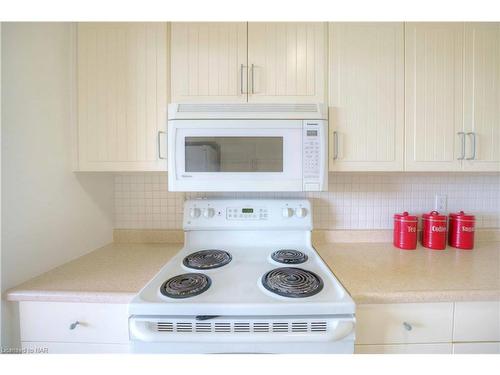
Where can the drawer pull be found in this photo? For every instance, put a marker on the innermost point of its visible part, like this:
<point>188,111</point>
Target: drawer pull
<point>74,325</point>
<point>407,326</point>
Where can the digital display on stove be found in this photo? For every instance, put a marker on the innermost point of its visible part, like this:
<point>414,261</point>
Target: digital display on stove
<point>247,210</point>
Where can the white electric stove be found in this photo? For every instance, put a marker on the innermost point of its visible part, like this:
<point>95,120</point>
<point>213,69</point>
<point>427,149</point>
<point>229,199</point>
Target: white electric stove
<point>248,280</point>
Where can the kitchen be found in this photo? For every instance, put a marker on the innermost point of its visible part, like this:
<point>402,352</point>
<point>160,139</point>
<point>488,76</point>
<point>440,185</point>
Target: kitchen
<point>223,152</point>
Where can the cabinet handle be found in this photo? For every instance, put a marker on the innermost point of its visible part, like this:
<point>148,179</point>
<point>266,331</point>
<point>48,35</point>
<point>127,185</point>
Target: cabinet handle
<point>74,325</point>
<point>462,137</point>
<point>160,132</point>
<point>241,80</point>
<point>253,82</point>
<point>407,326</point>
<point>335,145</point>
<point>473,156</point>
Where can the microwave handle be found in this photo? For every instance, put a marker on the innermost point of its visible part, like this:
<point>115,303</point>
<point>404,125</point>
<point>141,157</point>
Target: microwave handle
<point>160,132</point>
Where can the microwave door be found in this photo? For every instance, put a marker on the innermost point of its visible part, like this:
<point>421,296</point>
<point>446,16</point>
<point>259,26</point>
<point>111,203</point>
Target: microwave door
<point>240,156</point>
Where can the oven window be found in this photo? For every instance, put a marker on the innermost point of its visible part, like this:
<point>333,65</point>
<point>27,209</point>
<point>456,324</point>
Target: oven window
<point>234,154</point>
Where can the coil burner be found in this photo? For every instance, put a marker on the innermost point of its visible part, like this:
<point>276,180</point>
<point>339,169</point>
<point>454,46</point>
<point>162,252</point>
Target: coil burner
<point>289,256</point>
<point>292,282</point>
<point>185,285</point>
<point>207,259</point>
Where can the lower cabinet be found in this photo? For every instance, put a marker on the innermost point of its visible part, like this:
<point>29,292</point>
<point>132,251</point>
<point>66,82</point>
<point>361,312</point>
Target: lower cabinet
<point>476,348</point>
<point>406,328</point>
<point>425,328</point>
<point>64,327</point>
<point>477,321</point>
<point>408,323</point>
<point>404,349</point>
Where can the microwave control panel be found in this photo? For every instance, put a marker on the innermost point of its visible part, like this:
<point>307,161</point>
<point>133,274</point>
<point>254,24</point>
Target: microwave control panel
<point>313,155</point>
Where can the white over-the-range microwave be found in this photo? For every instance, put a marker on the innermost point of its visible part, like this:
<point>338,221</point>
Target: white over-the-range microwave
<point>247,147</point>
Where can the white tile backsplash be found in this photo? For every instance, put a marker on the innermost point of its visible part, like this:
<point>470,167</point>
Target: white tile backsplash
<point>353,200</point>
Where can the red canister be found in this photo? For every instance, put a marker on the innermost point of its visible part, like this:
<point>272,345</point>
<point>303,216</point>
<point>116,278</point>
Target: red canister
<point>461,231</point>
<point>405,231</point>
<point>434,231</point>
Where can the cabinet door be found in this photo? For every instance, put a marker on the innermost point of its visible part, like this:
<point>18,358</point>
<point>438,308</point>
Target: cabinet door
<point>73,322</point>
<point>433,94</point>
<point>122,96</point>
<point>482,96</point>
<point>476,321</point>
<point>366,96</point>
<point>404,323</point>
<point>476,348</point>
<point>287,61</point>
<point>209,62</point>
<point>404,349</point>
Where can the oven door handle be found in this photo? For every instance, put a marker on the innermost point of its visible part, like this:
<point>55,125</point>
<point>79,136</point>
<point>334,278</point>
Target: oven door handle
<point>206,317</point>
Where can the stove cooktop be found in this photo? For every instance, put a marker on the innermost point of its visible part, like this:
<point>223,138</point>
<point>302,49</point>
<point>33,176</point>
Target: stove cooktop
<point>251,266</point>
<point>289,282</point>
<point>238,288</point>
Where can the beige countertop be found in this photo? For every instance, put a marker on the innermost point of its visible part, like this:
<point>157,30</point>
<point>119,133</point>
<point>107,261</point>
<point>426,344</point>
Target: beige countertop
<point>111,274</point>
<point>371,272</point>
<point>379,273</point>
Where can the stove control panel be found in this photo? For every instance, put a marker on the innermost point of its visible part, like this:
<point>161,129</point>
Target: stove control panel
<point>247,214</point>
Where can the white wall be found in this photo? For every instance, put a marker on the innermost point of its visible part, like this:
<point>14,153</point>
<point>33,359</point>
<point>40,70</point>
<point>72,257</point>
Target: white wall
<point>0,173</point>
<point>50,215</point>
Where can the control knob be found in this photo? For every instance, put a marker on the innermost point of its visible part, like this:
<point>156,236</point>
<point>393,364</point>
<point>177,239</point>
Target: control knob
<point>300,212</point>
<point>194,212</point>
<point>287,212</point>
<point>208,213</point>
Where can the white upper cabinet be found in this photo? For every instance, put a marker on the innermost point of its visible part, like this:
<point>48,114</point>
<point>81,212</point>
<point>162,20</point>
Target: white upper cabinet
<point>248,62</point>
<point>366,96</point>
<point>413,97</point>
<point>287,62</point>
<point>434,96</point>
<point>482,96</point>
<point>209,62</point>
<point>122,96</point>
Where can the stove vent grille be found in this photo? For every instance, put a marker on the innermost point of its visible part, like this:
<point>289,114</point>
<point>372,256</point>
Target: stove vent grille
<point>238,327</point>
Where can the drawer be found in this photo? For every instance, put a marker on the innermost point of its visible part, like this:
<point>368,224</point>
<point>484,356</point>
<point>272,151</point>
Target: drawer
<point>51,322</point>
<point>407,323</point>
<point>404,349</point>
<point>73,348</point>
<point>477,348</point>
<point>477,321</point>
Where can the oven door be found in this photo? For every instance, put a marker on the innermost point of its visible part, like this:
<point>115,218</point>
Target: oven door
<point>235,155</point>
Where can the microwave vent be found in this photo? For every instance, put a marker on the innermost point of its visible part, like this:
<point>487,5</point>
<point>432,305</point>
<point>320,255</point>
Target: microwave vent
<point>306,111</point>
<point>249,108</point>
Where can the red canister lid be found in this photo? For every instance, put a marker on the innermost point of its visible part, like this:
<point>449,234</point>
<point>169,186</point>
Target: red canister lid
<point>405,216</point>
<point>462,216</point>
<point>434,216</point>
